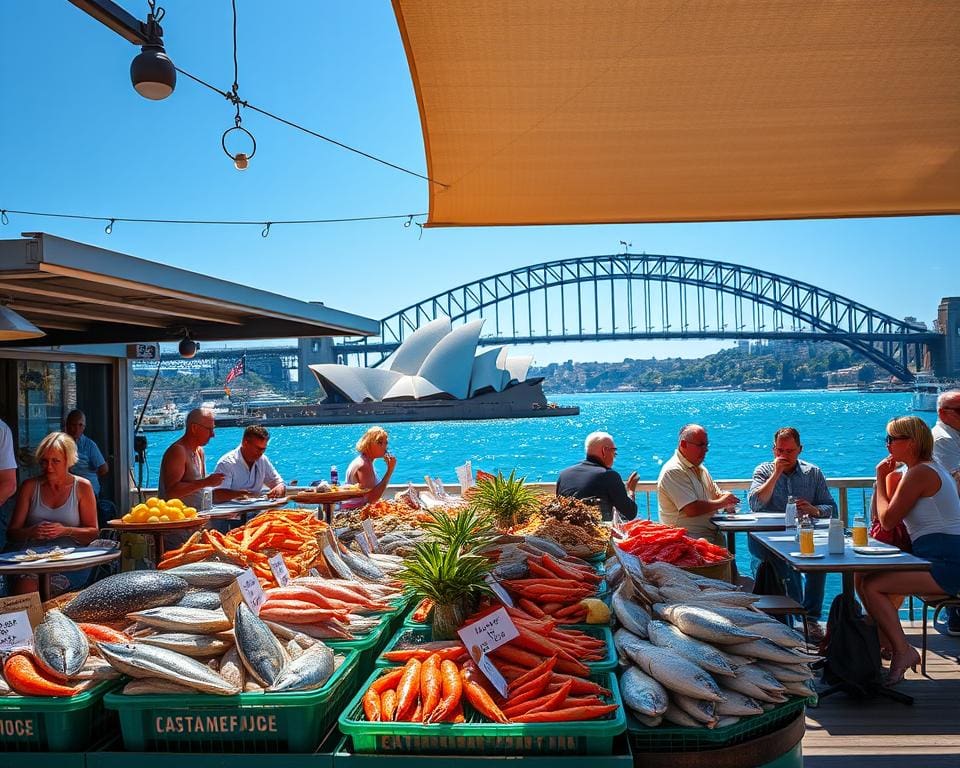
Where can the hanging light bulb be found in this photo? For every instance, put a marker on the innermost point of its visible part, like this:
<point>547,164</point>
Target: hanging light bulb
<point>240,161</point>
<point>152,73</point>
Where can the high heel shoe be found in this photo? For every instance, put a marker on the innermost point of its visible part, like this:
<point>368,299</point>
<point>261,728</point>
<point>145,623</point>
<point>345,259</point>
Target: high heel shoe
<point>900,664</point>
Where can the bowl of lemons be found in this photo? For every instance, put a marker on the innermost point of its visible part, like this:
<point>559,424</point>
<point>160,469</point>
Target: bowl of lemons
<point>155,510</point>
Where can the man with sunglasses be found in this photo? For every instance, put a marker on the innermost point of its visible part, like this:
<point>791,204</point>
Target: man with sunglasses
<point>183,469</point>
<point>595,478</point>
<point>946,452</point>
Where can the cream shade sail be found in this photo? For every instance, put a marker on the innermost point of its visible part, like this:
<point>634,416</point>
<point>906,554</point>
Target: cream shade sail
<point>594,111</point>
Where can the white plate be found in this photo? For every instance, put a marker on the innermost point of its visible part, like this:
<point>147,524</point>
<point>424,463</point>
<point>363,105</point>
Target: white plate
<point>802,556</point>
<point>878,551</point>
<point>737,518</point>
<point>10,557</point>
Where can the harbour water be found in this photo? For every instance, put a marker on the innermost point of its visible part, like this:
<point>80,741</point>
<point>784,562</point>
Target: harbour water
<point>842,432</point>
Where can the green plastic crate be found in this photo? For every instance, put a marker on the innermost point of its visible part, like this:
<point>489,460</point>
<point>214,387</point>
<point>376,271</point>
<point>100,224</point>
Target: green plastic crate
<point>679,739</point>
<point>368,647</point>
<point>247,722</point>
<point>54,724</point>
<point>422,634</point>
<point>480,737</point>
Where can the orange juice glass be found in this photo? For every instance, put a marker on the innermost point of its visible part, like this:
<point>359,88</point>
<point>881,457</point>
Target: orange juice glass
<point>859,535</point>
<point>806,541</point>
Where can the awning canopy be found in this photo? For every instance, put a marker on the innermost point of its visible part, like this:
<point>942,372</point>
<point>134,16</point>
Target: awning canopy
<point>594,111</point>
<point>81,294</point>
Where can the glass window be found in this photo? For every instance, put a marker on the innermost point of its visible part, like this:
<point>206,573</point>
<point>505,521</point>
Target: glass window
<point>47,391</point>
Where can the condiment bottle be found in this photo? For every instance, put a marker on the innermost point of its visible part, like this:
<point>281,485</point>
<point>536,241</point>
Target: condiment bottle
<point>835,542</point>
<point>334,475</point>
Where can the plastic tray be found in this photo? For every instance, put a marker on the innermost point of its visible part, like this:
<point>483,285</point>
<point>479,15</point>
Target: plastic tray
<point>678,739</point>
<point>247,722</point>
<point>52,724</point>
<point>368,647</point>
<point>417,635</point>
<point>478,736</point>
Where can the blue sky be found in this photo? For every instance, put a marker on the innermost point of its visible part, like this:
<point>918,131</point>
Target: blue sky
<point>76,138</point>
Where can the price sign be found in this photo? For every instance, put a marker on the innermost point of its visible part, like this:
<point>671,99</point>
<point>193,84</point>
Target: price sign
<point>279,569</point>
<point>15,631</point>
<point>29,602</point>
<point>489,633</point>
<point>246,588</point>
<point>371,535</point>
<point>499,591</point>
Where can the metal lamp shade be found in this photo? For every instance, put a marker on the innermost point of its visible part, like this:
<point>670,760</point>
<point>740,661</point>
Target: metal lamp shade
<point>14,326</point>
<point>153,74</point>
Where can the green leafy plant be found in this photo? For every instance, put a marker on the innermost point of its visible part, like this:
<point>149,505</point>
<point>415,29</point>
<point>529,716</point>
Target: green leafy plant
<point>469,530</point>
<point>508,499</point>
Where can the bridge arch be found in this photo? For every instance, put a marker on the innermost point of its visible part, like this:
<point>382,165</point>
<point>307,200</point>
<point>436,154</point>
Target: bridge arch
<point>649,296</point>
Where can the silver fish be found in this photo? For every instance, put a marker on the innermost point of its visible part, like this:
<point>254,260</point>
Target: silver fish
<point>61,649</point>
<point>787,673</point>
<point>665,573</point>
<point>698,709</point>
<point>756,687</point>
<point>512,569</point>
<point>677,593</point>
<point>805,688</point>
<point>96,668</point>
<point>154,685</point>
<point>702,654</point>
<point>667,668</point>
<point>677,716</point>
<point>629,614</point>
<point>310,670</point>
<point>733,599</point>
<point>194,646</point>
<point>231,667</point>
<point>336,564</point>
<point>208,573</point>
<point>262,653</point>
<point>768,651</point>
<point>643,694</point>
<point>737,704</point>
<point>779,633</point>
<point>172,618</point>
<point>742,617</point>
<point>760,678</point>
<point>650,722</point>
<point>706,583</point>
<point>723,722</point>
<point>545,545</point>
<point>201,599</point>
<point>114,597</point>
<point>703,624</point>
<point>146,661</point>
<point>363,566</point>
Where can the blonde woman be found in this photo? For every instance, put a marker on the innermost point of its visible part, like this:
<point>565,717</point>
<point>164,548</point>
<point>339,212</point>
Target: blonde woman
<point>55,508</point>
<point>926,501</point>
<point>372,446</point>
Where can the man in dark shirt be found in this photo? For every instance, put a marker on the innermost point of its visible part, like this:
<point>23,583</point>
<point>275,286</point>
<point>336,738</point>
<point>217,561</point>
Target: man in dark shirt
<point>593,478</point>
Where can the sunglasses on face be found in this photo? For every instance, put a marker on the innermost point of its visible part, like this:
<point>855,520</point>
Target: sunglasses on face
<point>894,438</point>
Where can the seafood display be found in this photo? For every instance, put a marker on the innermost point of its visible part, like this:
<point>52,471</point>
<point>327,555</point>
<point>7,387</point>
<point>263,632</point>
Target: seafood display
<point>658,543</point>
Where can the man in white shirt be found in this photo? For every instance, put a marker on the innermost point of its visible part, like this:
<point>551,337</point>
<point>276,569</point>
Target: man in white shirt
<point>946,452</point>
<point>8,477</point>
<point>247,470</point>
<point>686,493</point>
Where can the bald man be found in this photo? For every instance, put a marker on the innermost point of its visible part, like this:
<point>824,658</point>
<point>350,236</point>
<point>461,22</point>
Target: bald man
<point>595,478</point>
<point>183,469</point>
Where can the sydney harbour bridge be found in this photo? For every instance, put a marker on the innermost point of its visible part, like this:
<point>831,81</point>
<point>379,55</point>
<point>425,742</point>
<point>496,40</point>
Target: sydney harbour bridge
<point>640,297</point>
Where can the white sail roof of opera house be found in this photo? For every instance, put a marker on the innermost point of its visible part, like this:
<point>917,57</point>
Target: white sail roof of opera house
<point>437,361</point>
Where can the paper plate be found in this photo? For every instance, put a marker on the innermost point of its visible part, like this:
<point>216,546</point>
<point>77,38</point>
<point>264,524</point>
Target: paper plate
<point>802,556</point>
<point>878,551</point>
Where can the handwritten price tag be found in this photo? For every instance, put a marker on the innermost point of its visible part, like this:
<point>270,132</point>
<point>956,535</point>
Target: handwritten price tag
<point>499,591</point>
<point>371,535</point>
<point>492,674</point>
<point>246,588</point>
<point>15,631</point>
<point>279,569</point>
<point>489,633</point>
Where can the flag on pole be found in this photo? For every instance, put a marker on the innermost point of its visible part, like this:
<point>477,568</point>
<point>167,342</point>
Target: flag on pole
<point>239,368</point>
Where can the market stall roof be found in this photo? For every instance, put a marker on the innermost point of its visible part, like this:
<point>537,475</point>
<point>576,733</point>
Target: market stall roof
<point>81,294</point>
<point>593,111</point>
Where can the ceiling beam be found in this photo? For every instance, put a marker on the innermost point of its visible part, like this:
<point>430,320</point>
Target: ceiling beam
<point>60,311</point>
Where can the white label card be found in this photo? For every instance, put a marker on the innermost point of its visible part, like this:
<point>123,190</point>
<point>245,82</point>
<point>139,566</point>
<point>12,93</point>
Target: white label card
<point>499,591</point>
<point>493,674</point>
<point>251,590</point>
<point>15,631</point>
<point>279,569</point>
<point>489,633</point>
<point>371,535</point>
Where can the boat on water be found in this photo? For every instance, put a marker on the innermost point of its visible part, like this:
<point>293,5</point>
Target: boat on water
<point>926,390</point>
<point>162,420</point>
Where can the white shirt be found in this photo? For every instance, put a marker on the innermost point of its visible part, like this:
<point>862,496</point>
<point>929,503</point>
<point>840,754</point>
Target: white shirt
<point>8,459</point>
<point>681,483</point>
<point>946,446</point>
<point>939,513</point>
<point>240,476</point>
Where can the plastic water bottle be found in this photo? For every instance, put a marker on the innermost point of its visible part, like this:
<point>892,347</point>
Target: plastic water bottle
<point>835,541</point>
<point>790,514</point>
<point>334,475</point>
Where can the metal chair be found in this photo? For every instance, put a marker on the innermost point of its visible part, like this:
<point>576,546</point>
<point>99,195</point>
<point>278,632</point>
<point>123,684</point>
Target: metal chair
<point>938,603</point>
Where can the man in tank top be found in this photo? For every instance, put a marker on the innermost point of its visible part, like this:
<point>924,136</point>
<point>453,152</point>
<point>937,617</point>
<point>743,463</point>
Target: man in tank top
<point>183,467</point>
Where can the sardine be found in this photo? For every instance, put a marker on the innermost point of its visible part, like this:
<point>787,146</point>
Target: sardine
<point>60,648</point>
<point>702,654</point>
<point>115,596</point>
<point>703,624</point>
<point>192,645</point>
<point>768,651</point>
<point>642,694</point>
<point>703,711</point>
<point>310,670</point>
<point>209,574</point>
<point>737,704</point>
<point>262,653</point>
<point>201,599</point>
<point>667,668</point>
<point>173,618</point>
<point>146,661</point>
<point>629,614</point>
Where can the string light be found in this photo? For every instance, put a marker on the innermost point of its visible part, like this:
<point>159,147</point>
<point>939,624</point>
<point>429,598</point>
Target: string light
<point>241,159</point>
<point>109,228</point>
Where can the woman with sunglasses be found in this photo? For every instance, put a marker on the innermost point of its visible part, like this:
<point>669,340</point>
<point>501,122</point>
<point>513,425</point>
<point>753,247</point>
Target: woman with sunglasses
<point>371,446</point>
<point>926,501</point>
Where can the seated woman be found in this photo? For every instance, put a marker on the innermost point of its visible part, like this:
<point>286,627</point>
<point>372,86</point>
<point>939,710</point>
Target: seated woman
<point>55,508</point>
<point>373,445</point>
<point>927,502</point>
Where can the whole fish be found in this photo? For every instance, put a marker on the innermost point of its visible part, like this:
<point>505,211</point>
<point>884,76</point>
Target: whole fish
<point>545,545</point>
<point>677,716</point>
<point>201,599</point>
<point>667,668</point>
<point>363,566</point>
<point>262,653</point>
<point>747,684</point>
<point>742,617</point>
<point>779,633</point>
<point>146,661</point>
<point>154,685</point>
<point>231,667</point>
<point>114,597</point>
<point>336,564</point>
<point>96,668</point>
<point>194,646</point>
<point>628,613</point>
<point>737,704</point>
<point>60,647</point>
<point>666,573</point>
<point>768,651</point>
<point>310,670</point>
<point>703,624</point>
<point>650,722</point>
<point>706,583</point>
<point>760,678</point>
<point>678,593</point>
<point>732,599</point>
<point>804,688</point>
<point>702,654</point>
<point>643,694</point>
<point>700,710</point>
<point>788,673</point>
<point>173,618</point>
<point>511,569</point>
<point>723,722</point>
<point>209,574</point>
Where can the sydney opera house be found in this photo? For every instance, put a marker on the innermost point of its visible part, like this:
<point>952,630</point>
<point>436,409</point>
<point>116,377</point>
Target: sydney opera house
<point>437,373</point>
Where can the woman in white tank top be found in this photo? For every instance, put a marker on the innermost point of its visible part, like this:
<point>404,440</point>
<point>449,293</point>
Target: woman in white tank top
<point>56,508</point>
<point>927,502</point>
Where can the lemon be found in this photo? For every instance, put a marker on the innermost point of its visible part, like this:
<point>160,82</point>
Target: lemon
<point>153,501</point>
<point>189,512</point>
<point>164,518</point>
<point>127,518</point>
<point>153,519</point>
<point>141,515</point>
<point>139,508</point>
<point>175,514</point>
<point>175,503</point>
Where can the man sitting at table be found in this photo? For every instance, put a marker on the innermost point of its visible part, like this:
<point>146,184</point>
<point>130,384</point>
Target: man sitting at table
<point>773,482</point>
<point>246,469</point>
<point>686,493</point>
<point>595,478</point>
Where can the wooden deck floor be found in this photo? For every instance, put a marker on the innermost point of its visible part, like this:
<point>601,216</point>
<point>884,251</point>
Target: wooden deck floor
<point>846,733</point>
